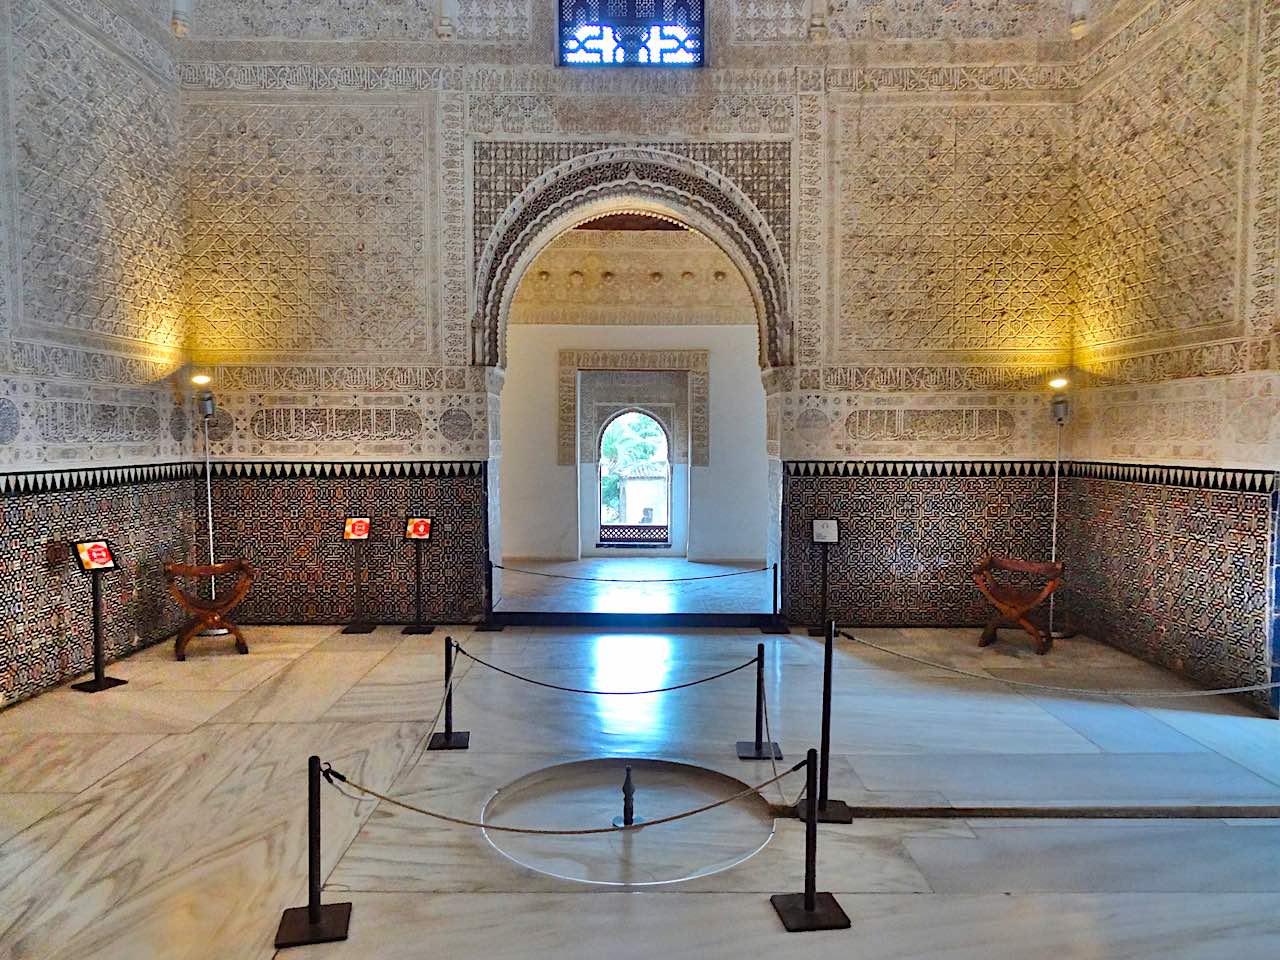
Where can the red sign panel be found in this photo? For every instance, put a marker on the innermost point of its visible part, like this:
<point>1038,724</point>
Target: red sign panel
<point>417,528</point>
<point>95,555</point>
<point>357,528</point>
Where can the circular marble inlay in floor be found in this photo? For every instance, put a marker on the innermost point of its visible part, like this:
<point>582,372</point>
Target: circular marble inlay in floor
<point>588,793</point>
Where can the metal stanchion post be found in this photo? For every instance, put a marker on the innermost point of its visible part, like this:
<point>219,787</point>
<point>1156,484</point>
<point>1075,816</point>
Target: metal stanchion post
<point>829,811</point>
<point>418,627</point>
<point>757,749</point>
<point>359,624</point>
<point>810,910</point>
<point>449,739</point>
<point>817,631</point>
<point>316,922</point>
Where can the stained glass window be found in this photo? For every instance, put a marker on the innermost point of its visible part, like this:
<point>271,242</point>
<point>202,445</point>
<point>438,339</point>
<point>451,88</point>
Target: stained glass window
<point>631,33</point>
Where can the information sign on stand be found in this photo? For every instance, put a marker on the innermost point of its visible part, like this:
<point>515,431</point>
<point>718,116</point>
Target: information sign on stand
<point>96,557</point>
<point>417,530</point>
<point>356,531</point>
<point>825,532</point>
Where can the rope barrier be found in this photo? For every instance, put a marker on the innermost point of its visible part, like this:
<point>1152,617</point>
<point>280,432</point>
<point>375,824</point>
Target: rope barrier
<point>600,693</point>
<point>1083,691</point>
<point>565,576</point>
<point>331,775</point>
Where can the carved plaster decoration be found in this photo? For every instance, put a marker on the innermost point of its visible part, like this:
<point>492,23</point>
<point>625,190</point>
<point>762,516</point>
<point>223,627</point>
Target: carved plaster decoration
<point>624,176</point>
<point>622,370</point>
<point>662,394</point>
<point>970,19</point>
<point>1158,262</point>
<point>649,278</point>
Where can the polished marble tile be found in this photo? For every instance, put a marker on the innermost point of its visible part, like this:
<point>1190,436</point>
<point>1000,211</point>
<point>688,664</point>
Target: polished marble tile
<point>1058,780</point>
<point>20,810</point>
<point>1206,857</point>
<point>165,819</point>
<point>202,831</point>
<point>302,691</point>
<point>119,710</point>
<point>64,762</point>
<point>639,926</point>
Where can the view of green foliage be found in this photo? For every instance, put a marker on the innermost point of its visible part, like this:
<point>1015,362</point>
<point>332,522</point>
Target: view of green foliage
<point>630,439</point>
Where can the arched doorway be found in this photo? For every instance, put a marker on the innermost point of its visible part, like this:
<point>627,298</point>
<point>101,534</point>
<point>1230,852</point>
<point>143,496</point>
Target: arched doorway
<point>633,490</point>
<point>542,394</point>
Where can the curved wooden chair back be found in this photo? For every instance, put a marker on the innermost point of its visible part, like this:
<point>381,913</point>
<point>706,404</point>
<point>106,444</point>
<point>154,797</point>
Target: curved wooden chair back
<point>208,614</point>
<point>1013,603</point>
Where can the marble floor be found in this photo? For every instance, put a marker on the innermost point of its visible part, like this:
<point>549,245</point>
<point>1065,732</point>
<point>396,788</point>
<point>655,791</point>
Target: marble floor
<point>165,819</point>
<point>662,585</point>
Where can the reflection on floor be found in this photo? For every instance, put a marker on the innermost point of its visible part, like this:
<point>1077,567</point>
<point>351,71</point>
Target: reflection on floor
<point>716,587</point>
<point>165,819</point>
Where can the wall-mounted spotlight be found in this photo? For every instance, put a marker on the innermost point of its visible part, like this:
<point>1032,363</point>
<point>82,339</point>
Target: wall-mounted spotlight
<point>1060,406</point>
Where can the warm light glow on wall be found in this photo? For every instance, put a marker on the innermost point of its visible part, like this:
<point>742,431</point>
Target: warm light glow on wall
<point>1059,383</point>
<point>201,379</point>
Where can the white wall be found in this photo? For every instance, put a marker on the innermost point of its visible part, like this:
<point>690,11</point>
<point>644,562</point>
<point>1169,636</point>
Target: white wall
<point>728,500</point>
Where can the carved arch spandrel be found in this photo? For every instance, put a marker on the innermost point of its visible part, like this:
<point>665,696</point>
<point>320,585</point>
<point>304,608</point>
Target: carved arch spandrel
<point>640,179</point>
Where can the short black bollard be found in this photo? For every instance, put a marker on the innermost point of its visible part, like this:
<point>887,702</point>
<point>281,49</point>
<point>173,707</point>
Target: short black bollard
<point>757,749</point>
<point>100,679</point>
<point>450,739</point>
<point>829,811</point>
<point>316,922</point>
<point>628,818</point>
<point>487,625</point>
<point>801,912</point>
<point>776,624</point>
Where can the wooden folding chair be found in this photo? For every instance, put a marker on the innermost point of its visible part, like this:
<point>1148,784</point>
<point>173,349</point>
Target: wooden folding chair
<point>1014,603</point>
<point>208,614</point>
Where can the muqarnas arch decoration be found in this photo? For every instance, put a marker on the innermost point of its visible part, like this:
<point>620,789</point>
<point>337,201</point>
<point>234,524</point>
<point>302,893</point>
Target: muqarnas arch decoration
<point>642,180</point>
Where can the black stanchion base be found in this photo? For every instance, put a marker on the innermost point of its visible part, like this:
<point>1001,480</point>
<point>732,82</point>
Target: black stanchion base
<point>97,686</point>
<point>777,626</point>
<point>418,629</point>
<point>747,750</point>
<point>621,821</point>
<point>827,915</point>
<point>489,628</point>
<point>836,811</point>
<point>359,628</point>
<point>459,740</point>
<point>297,931</point>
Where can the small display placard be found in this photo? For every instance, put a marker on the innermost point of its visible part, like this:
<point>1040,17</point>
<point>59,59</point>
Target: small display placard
<point>356,528</point>
<point>95,555</point>
<point>417,528</point>
<point>826,531</point>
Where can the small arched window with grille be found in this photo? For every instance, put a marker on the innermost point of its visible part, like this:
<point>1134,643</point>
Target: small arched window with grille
<point>631,33</point>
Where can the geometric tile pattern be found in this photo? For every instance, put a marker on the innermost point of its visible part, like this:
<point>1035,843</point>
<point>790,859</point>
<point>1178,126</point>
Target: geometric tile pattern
<point>304,230</point>
<point>98,195</point>
<point>1173,574</point>
<point>1159,178</point>
<point>287,522</point>
<point>46,617</point>
<point>907,541</point>
<point>954,229</point>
